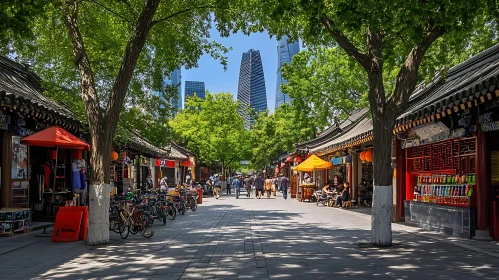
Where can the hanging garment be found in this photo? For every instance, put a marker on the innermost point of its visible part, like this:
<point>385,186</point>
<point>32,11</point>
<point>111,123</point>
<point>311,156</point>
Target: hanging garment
<point>75,174</point>
<point>46,173</point>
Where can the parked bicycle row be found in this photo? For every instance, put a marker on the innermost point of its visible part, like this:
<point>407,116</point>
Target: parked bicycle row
<point>136,214</point>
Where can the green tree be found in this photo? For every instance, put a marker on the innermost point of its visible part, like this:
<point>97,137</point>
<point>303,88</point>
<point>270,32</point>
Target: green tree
<point>325,84</point>
<point>389,40</point>
<point>213,129</point>
<point>100,47</point>
<point>274,134</point>
<point>15,17</point>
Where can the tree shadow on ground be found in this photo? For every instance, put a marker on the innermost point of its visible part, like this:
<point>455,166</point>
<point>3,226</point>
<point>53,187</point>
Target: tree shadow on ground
<point>224,241</point>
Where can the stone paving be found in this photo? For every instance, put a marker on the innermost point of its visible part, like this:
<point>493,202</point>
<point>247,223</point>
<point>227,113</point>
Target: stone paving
<point>247,238</point>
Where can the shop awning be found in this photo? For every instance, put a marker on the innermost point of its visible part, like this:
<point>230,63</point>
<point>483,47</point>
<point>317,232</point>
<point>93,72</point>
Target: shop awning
<point>313,163</point>
<point>55,136</point>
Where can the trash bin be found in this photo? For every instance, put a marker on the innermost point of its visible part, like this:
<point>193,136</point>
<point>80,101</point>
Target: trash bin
<point>200,195</point>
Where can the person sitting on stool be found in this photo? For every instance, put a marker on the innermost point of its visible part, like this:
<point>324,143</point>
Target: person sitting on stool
<point>344,196</point>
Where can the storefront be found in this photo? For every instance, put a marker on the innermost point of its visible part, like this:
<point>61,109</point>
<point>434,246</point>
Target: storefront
<point>24,110</point>
<point>446,151</point>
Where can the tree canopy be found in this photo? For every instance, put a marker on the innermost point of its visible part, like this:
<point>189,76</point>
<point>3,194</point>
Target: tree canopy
<point>213,129</point>
<point>326,85</point>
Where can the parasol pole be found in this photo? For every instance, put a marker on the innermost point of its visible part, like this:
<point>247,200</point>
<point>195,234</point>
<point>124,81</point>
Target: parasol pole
<point>55,169</point>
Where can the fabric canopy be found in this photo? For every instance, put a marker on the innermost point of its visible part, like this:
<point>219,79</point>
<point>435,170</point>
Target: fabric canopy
<point>313,163</point>
<point>55,136</point>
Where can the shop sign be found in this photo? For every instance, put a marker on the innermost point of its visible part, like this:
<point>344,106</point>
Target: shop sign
<point>338,160</point>
<point>167,163</point>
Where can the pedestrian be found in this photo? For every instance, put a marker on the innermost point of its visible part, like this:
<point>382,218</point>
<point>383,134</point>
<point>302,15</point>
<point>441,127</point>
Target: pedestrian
<point>344,196</point>
<point>361,193</point>
<point>218,186</point>
<point>237,185</point>
<point>229,183</point>
<point>163,184</point>
<point>149,182</point>
<point>268,186</point>
<point>248,182</point>
<point>284,184</point>
<point>258,186</point>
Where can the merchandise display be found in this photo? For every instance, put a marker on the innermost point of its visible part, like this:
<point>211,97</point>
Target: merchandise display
<point>14,220</point>
<point>443,172</point>
<point>445,189</point>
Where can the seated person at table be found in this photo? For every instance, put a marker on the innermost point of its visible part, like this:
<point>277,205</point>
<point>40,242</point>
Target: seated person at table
<point>344,195</point>
<point>327,190</point>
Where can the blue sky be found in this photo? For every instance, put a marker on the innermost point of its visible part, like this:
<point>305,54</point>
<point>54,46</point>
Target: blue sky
<point>216,80</point>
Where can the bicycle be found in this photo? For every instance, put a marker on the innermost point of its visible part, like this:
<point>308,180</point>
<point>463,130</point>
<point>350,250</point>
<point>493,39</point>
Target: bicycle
<point>168,208</point>
<point>114,214</point>
<point>178,203</point>
<point>191,201</point>
<point>156,208</point>
<point>135,221</point>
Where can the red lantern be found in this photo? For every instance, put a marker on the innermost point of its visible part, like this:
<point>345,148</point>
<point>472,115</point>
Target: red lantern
<point>369,155</point>
<point>114,155</point>
<point>363,155</point>
<point>158,162</point>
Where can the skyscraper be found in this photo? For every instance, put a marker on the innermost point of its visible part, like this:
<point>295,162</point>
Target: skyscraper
<point>194,87</point>
<point>175,79</point>
<point>251,88</point>
<point>285,52</point>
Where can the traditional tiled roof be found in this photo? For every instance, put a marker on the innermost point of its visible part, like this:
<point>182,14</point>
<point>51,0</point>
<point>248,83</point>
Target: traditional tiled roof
<point>466,84</point>
<point>325,137</point>
<point>139,144</point>
<point>476,79</point>
<point>355,133</point>
<point>177,152</point>
<point>20,89</point>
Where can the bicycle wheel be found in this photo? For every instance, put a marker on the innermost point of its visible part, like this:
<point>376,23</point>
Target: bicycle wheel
<point>161,212</point>
<point>123,224</point>
<point>183,207</point>
<point>113,218</point>
<point>146,226</point>
<point>194,204</point>
<point>171,212</point>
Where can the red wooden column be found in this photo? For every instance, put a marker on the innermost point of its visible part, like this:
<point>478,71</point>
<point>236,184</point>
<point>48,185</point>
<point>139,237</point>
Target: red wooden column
<point>482,181</point>
<point>400,180</point>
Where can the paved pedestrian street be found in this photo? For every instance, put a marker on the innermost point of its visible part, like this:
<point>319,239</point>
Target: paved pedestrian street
<point>247,238</point>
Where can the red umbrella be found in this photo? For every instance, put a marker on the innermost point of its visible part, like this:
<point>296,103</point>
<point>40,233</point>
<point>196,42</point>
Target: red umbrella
<point>55,136</point>
<point>58,137</point>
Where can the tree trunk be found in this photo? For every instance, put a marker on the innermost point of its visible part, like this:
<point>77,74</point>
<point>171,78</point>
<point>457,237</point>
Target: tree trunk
<point>98,222</point>
<point>382,208</point>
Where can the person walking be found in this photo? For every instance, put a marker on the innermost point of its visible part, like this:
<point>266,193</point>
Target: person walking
<point>237,185</point>
<point>268,186</point>
<point>229,183</point>
<point>218,186</point>
<point>247,185</point>
<point>284,184</point>
<point>258,186</point>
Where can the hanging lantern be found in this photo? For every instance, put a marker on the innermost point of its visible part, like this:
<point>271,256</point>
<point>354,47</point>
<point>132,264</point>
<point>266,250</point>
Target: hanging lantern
<point>369,155</point>
<point>158,162</point>
<point>363,155</point>
<point>114,155</point>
